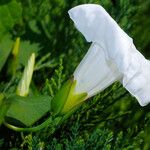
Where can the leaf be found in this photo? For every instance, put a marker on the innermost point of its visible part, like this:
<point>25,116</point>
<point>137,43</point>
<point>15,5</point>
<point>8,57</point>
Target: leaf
<point>26,49</point>
<point>5,49</point>
<point>10,14</point>
<point>28,110</point>
<point>4,105</point>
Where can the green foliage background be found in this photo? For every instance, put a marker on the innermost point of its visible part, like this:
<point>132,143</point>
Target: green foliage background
<point>111,120</point>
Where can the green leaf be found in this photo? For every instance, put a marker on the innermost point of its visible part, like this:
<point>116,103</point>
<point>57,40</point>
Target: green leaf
<point>5,49</point>
<point>10,14</point>
<point>28,110</point>
<point>26,49</point>
<point>4,105</point>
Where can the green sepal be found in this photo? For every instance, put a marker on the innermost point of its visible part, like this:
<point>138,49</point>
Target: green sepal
<point>60,98</point>
<point>24,84</point>
<point>73,99</point>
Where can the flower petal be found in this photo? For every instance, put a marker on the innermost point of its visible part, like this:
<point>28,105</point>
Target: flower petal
<point>139,86</point>
<point>98,26</point>
<point>95,73</point>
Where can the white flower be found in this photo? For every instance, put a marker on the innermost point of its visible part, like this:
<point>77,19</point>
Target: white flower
<point>112,55</point>
<point>95,73</point>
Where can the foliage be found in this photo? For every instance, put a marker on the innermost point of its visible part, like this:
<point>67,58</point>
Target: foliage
<point>111,120</point>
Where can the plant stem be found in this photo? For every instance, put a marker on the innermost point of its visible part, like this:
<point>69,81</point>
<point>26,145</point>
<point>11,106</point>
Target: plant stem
<point>32,129</point>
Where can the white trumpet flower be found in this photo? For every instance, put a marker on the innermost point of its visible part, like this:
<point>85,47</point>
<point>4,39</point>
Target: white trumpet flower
<point>111,57</point>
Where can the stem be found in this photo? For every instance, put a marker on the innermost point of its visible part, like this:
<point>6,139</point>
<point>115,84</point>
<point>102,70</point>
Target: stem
<point>9,84</point>
<point>32,129</point>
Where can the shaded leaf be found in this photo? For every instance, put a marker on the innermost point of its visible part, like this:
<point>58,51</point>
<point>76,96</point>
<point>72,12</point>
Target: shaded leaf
<point>10,14</point>
<point>5,49</point>
<point>28,110</point>
<point>4,105</point>
<point>26,49</point>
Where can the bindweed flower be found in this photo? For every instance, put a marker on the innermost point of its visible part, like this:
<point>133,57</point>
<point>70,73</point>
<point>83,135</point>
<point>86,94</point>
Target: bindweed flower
<point>111,57</point>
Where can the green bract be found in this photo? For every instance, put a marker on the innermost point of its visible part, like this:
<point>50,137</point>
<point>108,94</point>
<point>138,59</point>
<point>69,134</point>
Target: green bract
<point>24,84</point>
<point>66,99</point>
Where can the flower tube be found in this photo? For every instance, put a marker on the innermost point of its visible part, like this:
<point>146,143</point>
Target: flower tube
<point>95,73</point>
<point>112,55</point>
